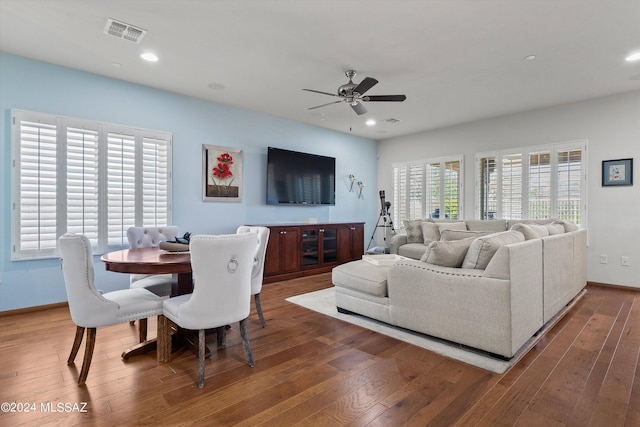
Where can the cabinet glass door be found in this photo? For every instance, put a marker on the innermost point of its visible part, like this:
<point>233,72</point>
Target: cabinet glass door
<point>329,245</point>
<point>310,247</point>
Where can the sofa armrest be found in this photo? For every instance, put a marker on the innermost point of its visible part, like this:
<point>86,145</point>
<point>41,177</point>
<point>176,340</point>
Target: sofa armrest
<point>397,240</point>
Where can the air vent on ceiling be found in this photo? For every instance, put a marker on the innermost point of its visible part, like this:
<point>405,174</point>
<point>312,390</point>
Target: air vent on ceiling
<point>124,31</point>
<point>391,120</point>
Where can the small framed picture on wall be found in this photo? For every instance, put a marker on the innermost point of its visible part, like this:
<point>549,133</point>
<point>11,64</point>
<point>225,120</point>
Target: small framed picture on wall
<point>221,174</point>
<point>617,172</point>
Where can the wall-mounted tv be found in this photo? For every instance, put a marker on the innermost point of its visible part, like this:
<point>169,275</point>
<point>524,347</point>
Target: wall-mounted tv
<point>301,179</point>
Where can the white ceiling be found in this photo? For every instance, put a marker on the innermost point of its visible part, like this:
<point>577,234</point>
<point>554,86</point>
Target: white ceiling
<point>456,60</point>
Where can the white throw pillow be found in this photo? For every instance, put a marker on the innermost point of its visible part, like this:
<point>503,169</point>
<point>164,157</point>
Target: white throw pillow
<point>430,232</point>
<point>414,229</point>
<point>531,231</point>
<point>449,235</point>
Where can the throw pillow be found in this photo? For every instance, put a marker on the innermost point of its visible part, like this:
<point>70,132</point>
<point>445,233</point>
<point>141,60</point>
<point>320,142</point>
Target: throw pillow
<point>430,232</point>
<point>531,231</point>
<point>448,235</point>
<point>447,254</point>
<point>414,229</point>
<point>554,229</point>
<point>458,225</point>
<point>483,248</point>
<point>568,225</point>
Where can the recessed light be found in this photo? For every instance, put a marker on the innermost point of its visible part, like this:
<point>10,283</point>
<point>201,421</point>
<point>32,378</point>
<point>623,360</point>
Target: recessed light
<point>633,57</point>
<point>530,57</point>
<point>148,56</point>
<point>371,122</point>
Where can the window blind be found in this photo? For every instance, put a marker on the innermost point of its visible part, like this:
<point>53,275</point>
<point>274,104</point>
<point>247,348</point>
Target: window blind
<point>78,176</point>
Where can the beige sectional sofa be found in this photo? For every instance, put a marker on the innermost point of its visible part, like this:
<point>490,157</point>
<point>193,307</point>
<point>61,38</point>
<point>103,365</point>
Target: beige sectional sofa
<point>495,296</point>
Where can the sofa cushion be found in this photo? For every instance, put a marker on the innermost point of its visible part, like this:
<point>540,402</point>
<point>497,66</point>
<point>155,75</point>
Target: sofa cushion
<point>447,253</point>
<point>458,225</point>
<point>448,235</point>
<point>483,248</point>
<point>530,231</point>
<point>412,250</point>
<point>568,225</point>
<point>414,229</point>
<point>361,276</point>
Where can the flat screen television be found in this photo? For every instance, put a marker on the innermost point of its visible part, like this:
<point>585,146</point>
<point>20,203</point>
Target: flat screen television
<point>301,179</point>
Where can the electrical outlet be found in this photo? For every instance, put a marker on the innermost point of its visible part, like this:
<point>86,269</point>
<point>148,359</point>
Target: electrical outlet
<point>604,259</point>
<point>624,261</point>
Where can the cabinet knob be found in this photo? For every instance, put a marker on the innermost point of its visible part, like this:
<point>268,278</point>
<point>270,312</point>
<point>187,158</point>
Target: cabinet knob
<point>353,228</point>
<point>284,232</point>
<point>321,230</point>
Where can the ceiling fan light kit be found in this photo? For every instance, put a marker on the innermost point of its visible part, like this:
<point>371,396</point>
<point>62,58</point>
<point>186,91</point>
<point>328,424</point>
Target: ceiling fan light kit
<point>353,94</point>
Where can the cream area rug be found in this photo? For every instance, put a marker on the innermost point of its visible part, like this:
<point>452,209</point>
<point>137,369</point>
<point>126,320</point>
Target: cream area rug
<point>324,302</point>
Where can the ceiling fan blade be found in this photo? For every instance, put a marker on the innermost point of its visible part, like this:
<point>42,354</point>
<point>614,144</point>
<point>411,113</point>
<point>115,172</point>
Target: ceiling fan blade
<point>384,98</point>
<point>365,85</point>
<point>319,91</point>
<point>358,108</point>
<point>323,105</point>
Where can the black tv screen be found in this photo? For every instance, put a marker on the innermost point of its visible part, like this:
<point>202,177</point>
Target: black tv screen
<point>295,178</point>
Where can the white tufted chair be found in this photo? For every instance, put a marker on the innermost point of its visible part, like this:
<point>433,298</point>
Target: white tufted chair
<point>222,289</point>
<point>89,309</point>
<point>143,237</point>
<point>257,273</point>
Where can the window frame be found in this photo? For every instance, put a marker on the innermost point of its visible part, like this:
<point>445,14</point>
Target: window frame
<point>525,152</point>
<point>101,242</point>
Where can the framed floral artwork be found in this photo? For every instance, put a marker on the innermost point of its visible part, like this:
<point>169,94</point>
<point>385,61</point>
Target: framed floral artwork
<point>617,172</point>
<point>222,174</point>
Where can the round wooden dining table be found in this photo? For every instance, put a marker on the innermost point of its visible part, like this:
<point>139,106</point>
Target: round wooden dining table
<point>153,260</point>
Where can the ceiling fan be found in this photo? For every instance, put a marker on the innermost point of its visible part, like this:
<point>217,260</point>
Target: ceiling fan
<point>354,93</point>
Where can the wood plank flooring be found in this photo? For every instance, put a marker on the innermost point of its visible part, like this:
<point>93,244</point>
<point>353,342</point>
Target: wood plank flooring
<point>313,370</point>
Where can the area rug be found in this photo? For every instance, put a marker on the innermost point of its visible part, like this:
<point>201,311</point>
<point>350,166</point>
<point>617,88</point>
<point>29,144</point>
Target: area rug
<point>324,302</point>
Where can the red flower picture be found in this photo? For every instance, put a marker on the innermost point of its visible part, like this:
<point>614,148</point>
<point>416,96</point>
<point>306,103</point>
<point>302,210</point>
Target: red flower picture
<point>223,173</point>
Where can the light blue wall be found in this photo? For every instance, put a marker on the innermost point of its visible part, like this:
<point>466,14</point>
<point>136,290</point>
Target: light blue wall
<point>37,86</point>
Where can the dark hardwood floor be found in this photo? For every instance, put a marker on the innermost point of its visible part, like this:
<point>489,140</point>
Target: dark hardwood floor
<point>313,370</point>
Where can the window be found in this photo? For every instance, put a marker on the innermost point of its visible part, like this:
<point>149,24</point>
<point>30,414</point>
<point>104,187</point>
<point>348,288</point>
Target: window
<point>85,177</point>
<point>429,188</point>
<point>533,183</point>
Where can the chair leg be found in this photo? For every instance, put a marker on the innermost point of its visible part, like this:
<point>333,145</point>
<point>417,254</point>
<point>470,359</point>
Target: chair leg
<point>245,342</point>
<point>142,331</point>
<point>76,344</point>
<point>259,309</point>
<point>201,347</point>
<point>221,332</point>
<point>88,355</point>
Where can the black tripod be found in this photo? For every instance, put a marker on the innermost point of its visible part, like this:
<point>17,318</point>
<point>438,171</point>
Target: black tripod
<point>387,222</point>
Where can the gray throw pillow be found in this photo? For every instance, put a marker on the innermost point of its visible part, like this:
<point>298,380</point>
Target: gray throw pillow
<point>483,248</point>
<point>568,225</point>
<point>447,253</point>
<point>554,229</point>
<point>430,232</point>
<point>531,231</point>
<point>414,229</point>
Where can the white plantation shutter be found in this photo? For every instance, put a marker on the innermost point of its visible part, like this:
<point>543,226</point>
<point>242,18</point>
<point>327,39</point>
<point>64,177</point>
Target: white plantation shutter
<point>432,190</point>
<point>487,185</point>
<point>121,186</point>
<point>421,188</point>
<point>82,183</point>
<point>451,189</point>
<point>85,177</point>
<point>512,186</point>
<point>540,186</point>
<point>35,185</point>
<point>155,179</point>
<point>547,181</point>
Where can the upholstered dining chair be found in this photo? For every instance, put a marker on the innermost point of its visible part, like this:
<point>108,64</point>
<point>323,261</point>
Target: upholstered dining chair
<point>144,237</point>
<point>257,273</point>
<point>159,284</point>
<point>221,295</point>
<point>90,309</point>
